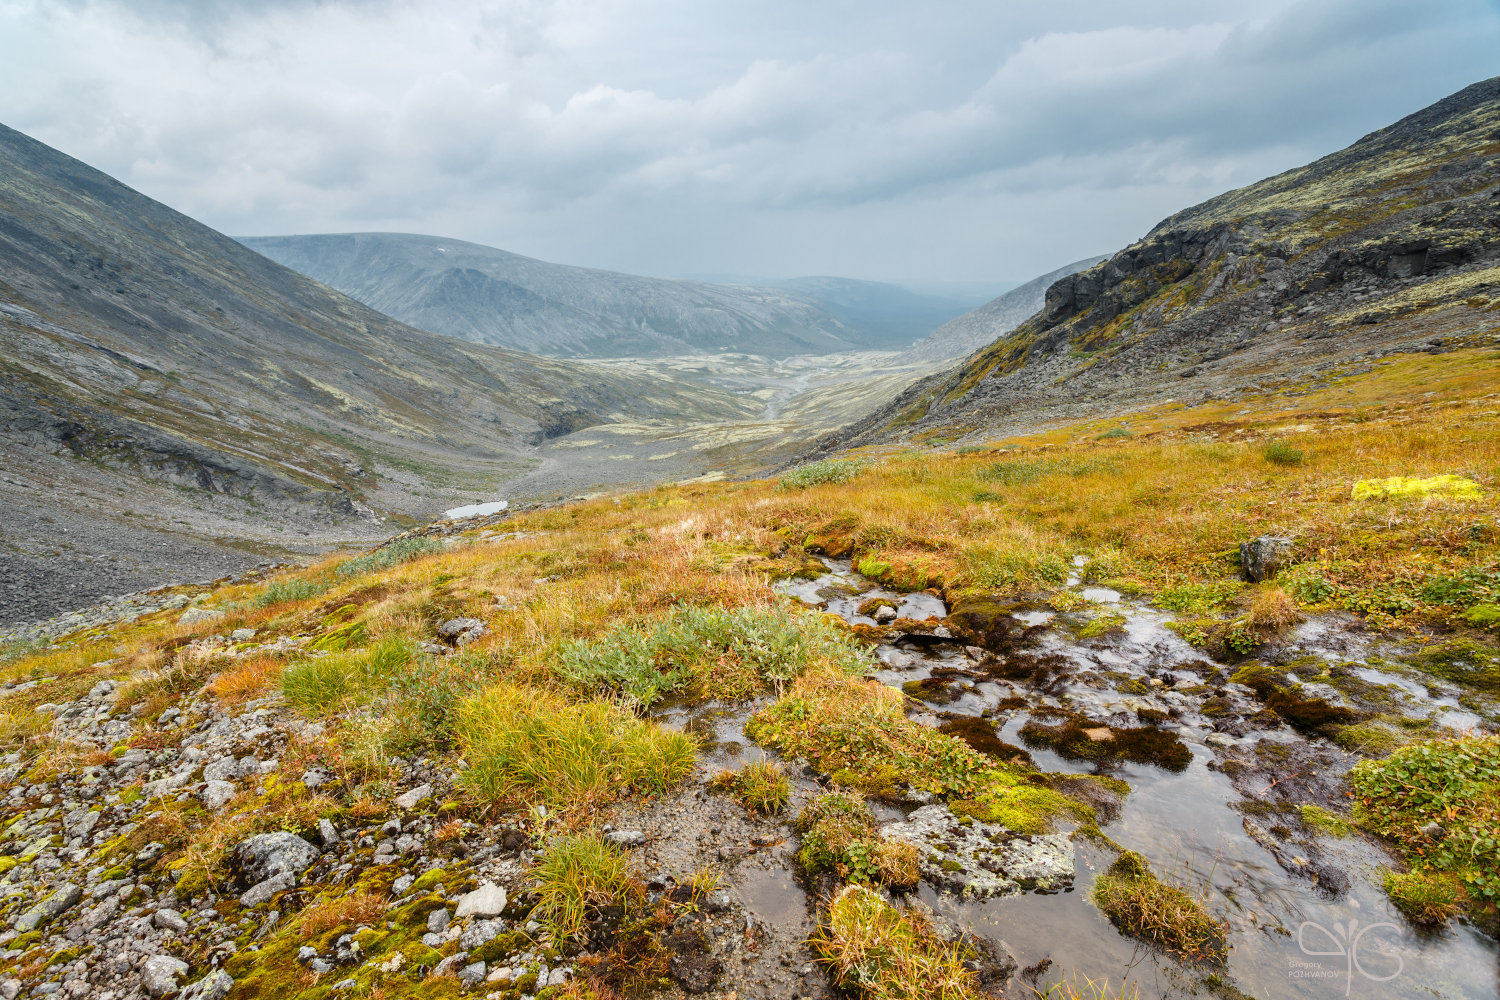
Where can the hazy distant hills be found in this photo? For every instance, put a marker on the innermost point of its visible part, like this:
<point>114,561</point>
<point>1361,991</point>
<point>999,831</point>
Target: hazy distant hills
<point>980,328</point>
<point>491,296</point>
<point>1392,244</point>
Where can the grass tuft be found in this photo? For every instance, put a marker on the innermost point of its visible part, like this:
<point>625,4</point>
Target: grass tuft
<point>761,786</point>
<point>879,953</point>
<point>576,876</point>
<point>526,744</point>
<point>1281,453</point>
<point>1142,905</point>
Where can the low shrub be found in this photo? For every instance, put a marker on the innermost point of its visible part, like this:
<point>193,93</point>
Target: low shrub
<point>1439,801</point>
<point>727,654</point>
<point>1281,453</point>
<point>831,470</point>
<point>839,835</point>
<point>282,591</point>
<point>1142,905</point>
<point>527,744</point>
<point>395,553</point>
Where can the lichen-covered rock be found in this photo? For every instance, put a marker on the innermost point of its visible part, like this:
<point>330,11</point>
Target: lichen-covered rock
<point>159,974</point>
<point>462,631</point>
<point>214,986</point>
<point>980,859</point>
<point>63,898</point>
<point>267,854</point>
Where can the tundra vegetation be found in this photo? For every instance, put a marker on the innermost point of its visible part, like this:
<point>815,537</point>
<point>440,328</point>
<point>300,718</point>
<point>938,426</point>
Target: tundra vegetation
<point>595,613</point>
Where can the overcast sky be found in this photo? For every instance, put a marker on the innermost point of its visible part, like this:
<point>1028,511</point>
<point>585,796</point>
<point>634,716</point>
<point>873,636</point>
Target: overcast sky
<point>909,141</point>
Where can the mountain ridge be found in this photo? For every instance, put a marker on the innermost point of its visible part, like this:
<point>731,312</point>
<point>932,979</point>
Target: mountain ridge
<point>1385,245</point>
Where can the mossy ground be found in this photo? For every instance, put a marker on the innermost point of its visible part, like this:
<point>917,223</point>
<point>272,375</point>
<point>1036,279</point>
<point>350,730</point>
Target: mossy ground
<point>597,609</point>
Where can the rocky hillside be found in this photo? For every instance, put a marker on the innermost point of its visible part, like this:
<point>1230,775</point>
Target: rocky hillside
<point>973,330</point>
<point>490,296</point>
<point>1391,244</point>
<point>161,384</point>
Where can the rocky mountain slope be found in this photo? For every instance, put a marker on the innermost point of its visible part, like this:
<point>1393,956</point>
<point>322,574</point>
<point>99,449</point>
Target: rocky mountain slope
<point>491,296</point>
<point>1391,244</point>
<point>973,330</point>
<point>162,384</point>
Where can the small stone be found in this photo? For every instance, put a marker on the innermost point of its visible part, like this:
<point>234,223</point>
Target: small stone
<point>215,795</point>
<point>432,940</point>
<point>480,932</point>
<point>9,989</point>
<point>487,901</point>
<point>1220,740</point>
<point>1433,830</point>
<point>558,977</point>
<point>242,634</point>
<point>214,986</point>
<point>262,892</point>
<point>625,838</point>
<point>159,974</point>
<point>885,613</point>
<point>319,966</point>
<point>345,984</point>
<point>314,778</point>
<point>1100,734</point>
<point>407,801</point>
<point>306,953</point>
<point>437,920</point>
<point>197,616</point>
<point>327,833</point>
<point>169,920</point>
<point>399,887</point>
<point>448,964</point>
<point>471,974</point>
<point>65,897</point>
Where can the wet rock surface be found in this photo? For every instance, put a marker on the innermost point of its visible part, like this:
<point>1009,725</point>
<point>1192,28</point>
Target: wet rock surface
<point>977,859</point>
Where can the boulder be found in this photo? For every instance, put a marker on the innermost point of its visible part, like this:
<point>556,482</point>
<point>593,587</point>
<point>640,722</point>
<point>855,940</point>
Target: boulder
<point>159,974</point>
<point>267,854</point>
<point>1262,557</point>
<point>487,901</point>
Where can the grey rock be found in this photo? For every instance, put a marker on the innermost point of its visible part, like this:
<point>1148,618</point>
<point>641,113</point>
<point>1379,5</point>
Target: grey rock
<point>469,975</point>
<point>450,963</point>
<point>433,649</point>
<point>1433,831</point>
<point>480,932</point>
<point>345,984</point>
<point>885,613</point>
<point>625,838</point>
<point>432,940</point>
<point>1262,557</point>
<point>407,801</point>
<point>487,901</point>
<point>262,892</point>
<point>214,986</point>
<point>9,989</point>
<point>306,953</point>
<point>462,631</point>
<point>169,920</point>
<point>319,966</point>
<point>558,977</point>
<point>80,822</point>
<point>223,769</point>
<point>982,859</point>
<point>159,974</point>
<point>315,778</point>
<point>327,833</point>
<point>437,920</point>
<point>199,616</point>
<point>215,795</point>
<point>242,634</point>
<point>399,887</point>
<point>267,854</point>
<point>62,899</point>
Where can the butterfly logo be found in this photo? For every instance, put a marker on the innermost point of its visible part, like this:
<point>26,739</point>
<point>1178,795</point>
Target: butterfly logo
<point>1346,940</point>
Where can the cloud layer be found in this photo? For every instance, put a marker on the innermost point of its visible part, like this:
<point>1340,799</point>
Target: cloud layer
<point>955,141</point>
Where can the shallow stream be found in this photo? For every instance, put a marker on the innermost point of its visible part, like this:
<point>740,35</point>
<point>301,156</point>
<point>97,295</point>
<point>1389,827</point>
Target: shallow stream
<point>1185,823</point>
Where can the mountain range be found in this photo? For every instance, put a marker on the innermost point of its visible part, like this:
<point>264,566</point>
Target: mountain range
<point>491,296</point>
